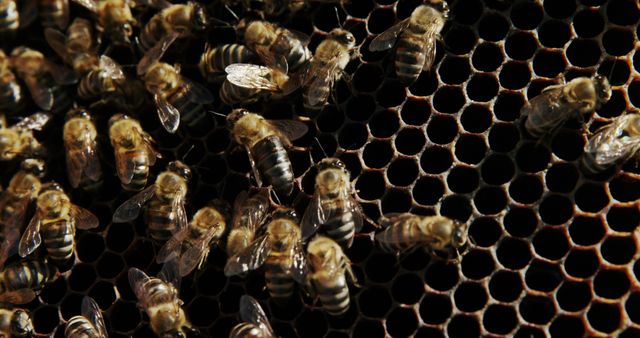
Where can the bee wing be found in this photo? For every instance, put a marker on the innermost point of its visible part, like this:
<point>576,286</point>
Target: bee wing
<point>170,272</point>
<point>388,38</point>
<point>21,296</point>
<point>197,92</point>
<point>249,259</point>
<point>251,76</point>
<point>168,114</point>
<point>291,129</point>
<point>319,77</point>
<point>61,74</point>
<point>251,312</point>
<point>430,47</point>
<point>8,246</point>
<point>259,211</point>
<point>172,246</point>
<point>85,219</point>
<point>192,257</point>
<point>238,203</point>
<point>75,167</point>
<point>149,144</point>
<point>181,214</point>
<point>111,68</point>
<point>88,4</point>
<point>137,280</point>
<point>57,42</point>
<point>34,122</point>
<point>91,311</point>
<point>92,169</point>
<point>155,53</point>
<point>298,268</point>
<point>313,216</point>
<point>42,96</point>
<point>254,168</point>
<point>272,58</point>
<point>614,147</point>
<point>130,209</point>
<point>31,239</point>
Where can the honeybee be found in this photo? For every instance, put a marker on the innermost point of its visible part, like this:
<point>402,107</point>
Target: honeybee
<point>58,219</point>
<point>404,232</point>
<point>11,94</point>
<point>281,252</point>
<point>79,136</point>
<point>214,60</point>
<point>559,103</point>
<point>16,323</point>
<point>9,18</point>
<point>192,243</point>
<point>20,281</point>
<point>90,324</point>
<point>134,151</point>
<point>14,202</point>
<point>613,144</point>
<point>19,139</point>
<point>416,35</point>
<point>333,205</point>
<point>113,18</point>
<point>256,324</point>
<point>183,19</point>
<point>165,213</point>
<point>159,298</point>
<point>327,66</point>
<point>249,213</point>
<point>246,83</point>
<point>172,93</point>
<point>330,268</point>
<point>43,78</point>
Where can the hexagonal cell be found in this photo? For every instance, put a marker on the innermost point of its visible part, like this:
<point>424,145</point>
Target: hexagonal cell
<point>537,309</point>
<point>520,222</point>
<point>542,276</point>
<point>441,276</point>
<point>581,263</point>
<point>505,285</point>
<point>567,326</point>
<point>618,249</point>
<point>470,297</point>
<point>551,243</point>
<point>485,231</point>
<point>513,253</point>
<point>375,302</point>
<point>463,326</point>
<point>470,148</point>
<point>604,317</point>
<point>435,308</point>
<point>500,319</point>
<point>611,283</point>
<point>477,264</point>
<point>402,322</point>
<point>428,190</point>
<point>574,296</point>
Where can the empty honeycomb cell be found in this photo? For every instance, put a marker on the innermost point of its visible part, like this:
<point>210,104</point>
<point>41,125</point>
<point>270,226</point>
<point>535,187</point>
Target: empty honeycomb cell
<point>616,105</point>
<point>543,276</point>
<point>503,137</point>
<point>54,291</point>
<point>410,141</point>
<point>368,328</point>
<point>549,63</point>
<point>463,326</point>
<point>521,45</point>
<point>371,185</point>
<point>70,306</point>
<point>402,322</point>
<point>415,112</point>
<point>561,177</point>
<point>551,243</point>
<point>396,200</point>
<point>507,106</point>
<point>428,190</point>
<point>630,333</point>
<point>425,85</point>
<point>634,93</point>
<point>325,18</point>
<point>618,249</point>
<point>442,129</point>
<point>407,288</point>
<point>454,70</point>
<point>487,57</point>
<point>368,77</point>
<point>623,218</point>
<point>470,149</point>
<point>632,307</point>
<point>391,94</point>
<point>353,136</point>
<point>380,19</point>
<point>591,197</point>
<point>624,189</point>
<point>456,207</point>
<point>515,75</point>
<point>125,316</point>
<point>383,124</point>
<point>581,263</point>
<point>45,319</point>
<point>199,317</point>
<point>560,9</point>
<point>623,12</point>
<point>618,41</point>
<point>119,236</point>
<point>429,332</point>
<point>604,317</point>
<point>104,293</point>
<point>330,120</point>
<point>448,99</point>
<point>611,283</point>
<point>554,33</point>
<point>140,254</point>
<point>526,15</point>
<point>490,200</point>
<point>520,222</point>
<point>586,230</point>
<point>362,9</point>
<point>470,297</point>
<point>537,309</point>
<point>583,52</point>
<point>441,276</point>
<point>311,324</point>
<point>402,172</point>
<point>82,277</point>
<point>555,209</point>
<point>361,107</point>
<point>463,179</point>
<point>374,302</point>
<point>485,231</point>
<point>574,296</point>
<point>526,189</point>
<point>497,169</point>
<point>493,27</point>
<point>567,326</point>
<point>381,268</point>
<point>460,40</point>
<point>467,13</point>
<point>110,265</point>
<point>89,246</point>
<point>499,319</point>
<point>377,154</point>
<point>588,23</point>
<point>435,308</point>
<point>477,264</point>
<point>482,87</point>
<point>513,253</point>
<point>505,286</point>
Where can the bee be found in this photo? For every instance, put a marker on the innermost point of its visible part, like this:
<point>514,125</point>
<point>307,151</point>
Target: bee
<point>327,66</point>
<point>53,13</point>
<point>249,213</point>
<point>113,18</point>
<point>404,232</point>
<point>247,83</point>
<point>214,60</point>
<point>172,93</point>
<point>58,220</point>
<point>612,144</point>
<point>416,35</point>
<point>134,151</point>
<point>333,205</point>
<point>20,281</point>
<point>281,252</point>
<point>329,270</point>
<point>90,324</point>
<point>159,298</point>
<point>79,136</point>
<point>19,139</point>
<point>192,243</point>
<point>9,18</point>
<point>165,213</point>
<point>183,19</point>
<point>266,142</point>
<point>256,324</point>
<point>559,103</point>
<point>16,323</point>
<point>11,94</point>
<point>14,203</point>
<point>43,78</point>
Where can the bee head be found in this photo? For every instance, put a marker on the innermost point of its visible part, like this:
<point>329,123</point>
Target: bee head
<point>51,186</point>
<point>441,6</point>
<point>603,88</point>
<point>77,112</point>
<point>117,117</point>
<point>287,213</point>
<point>459,237</point>
<point>21,325</point>
<point>180,169</point>
<point>222,207</point>
<point>119,34</point>
<point>34,166</point>
<point>199,19</point>
<point>332,163</point>
<point>235,116</point>
<point>343,36</point>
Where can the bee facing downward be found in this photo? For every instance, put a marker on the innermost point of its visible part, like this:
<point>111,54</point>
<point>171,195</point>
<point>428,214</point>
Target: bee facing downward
<point>249,213</point>
<point>256,324</point>
<point>16,323</point>
<point>90,324</point>
<point>417,36</point>
<point>19,139</point>
<point>79,134</point>
<point>183,19</point>
<point>613,144</point>
<point>113,18</point>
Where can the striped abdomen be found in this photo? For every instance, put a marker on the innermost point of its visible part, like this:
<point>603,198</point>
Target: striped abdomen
<point>27,275</point>
<point>139,161</point>
<point>279,283</point>
<point>410,54</point>
<point>58,237</point>
<point>152,32</point>
<point>298,56</point>
<point>333,294</point>
<point>54,13</point>
<point>273,164</point>
<point>9,17</point>
<point>246,330</point>
<point>180,98</point>
<point>93,85</point>
<point>399,236</point>
<point>215,60</point>
<point>161,219</point>
<point>231,94</point>
<point>340,226</point>
<point>80,326</point>
<point>158,293</point>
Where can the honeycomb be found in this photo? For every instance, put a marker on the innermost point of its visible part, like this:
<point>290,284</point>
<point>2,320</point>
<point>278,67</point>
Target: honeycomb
<point>553,252</point>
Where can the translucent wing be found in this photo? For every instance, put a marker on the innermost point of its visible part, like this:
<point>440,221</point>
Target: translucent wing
<point>251,312</point>
<point>8,246</point>
<point>238,205</point>
<point>257,213</point>
<point>35,121</point>
<point>137,280</point>
<point>31,239</point>
<point>91,311</point>
<point>429,48</point>
<point>197,92</point>
<point>292,129</point>
<point>85,219</point>
<point>149,143</point>
<point>42,96</point>
<point>609,145</point>
<point>192,257</point>
<point>170,272</point>
<point>298,268</point>
<point>313,217</point>
<point>272,59</point>
<point>130,209</point>
<point>92,169</point>
<point>249,259</point>
<point>320,76</point>
<point>21,296</point>
<point>88,4</point>
<point>172,246</point>
<point>155,53</point>
<point>251,76</point>
<point>111,69</point>
<point>168,114</point>
<point>57,42</point>
<point>177,207</point>
<point>254,168</point>
<point>388,38</point>
<point>76,163</point>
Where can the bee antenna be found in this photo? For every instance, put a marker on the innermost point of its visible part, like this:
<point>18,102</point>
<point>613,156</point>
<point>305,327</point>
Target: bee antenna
<point>321,148</point>
<point>275,196</point>
<point>216,113</point>
<point>232,12</point>
<point>338,17</point>
<point>187,153</point>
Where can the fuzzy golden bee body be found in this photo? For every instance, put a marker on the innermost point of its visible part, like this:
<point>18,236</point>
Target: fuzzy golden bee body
<point>113,18</point>
<point>184,19</point>
<point>88,325</point>
<point>11,94</point>
<point>79,135</point>
<point>18,140</point>
<point>612,145</point>
<point>215,59</point>
<point>16,323</point>
<point>249,213</point>
<point>20,281</point>
<point>255,322</point>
